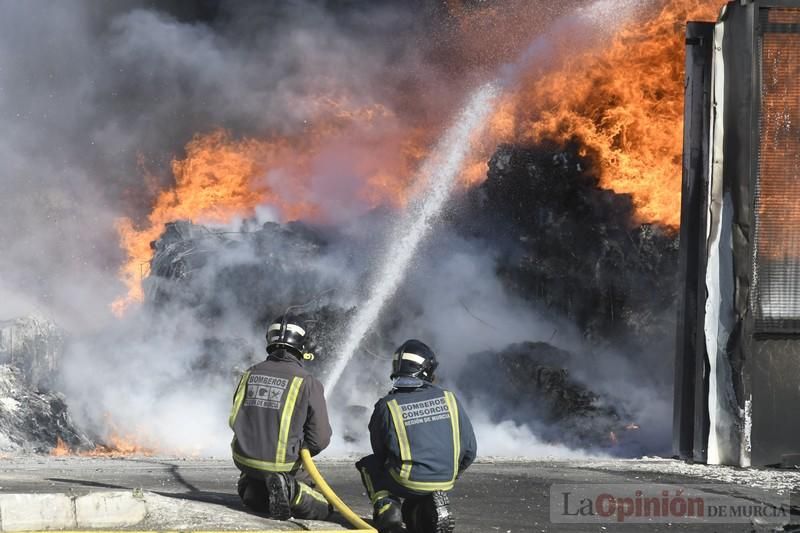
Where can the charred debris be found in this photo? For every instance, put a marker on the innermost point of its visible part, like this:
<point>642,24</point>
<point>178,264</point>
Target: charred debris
<point>33,416</point>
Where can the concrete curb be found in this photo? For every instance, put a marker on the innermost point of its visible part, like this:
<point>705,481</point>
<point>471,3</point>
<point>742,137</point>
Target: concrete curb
<point>128,509</point>
<point>109,509</point>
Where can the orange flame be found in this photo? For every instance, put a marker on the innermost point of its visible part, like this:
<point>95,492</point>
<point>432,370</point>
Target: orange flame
<point>623,104</point>
<point>115,445</point>
<point>222,178</point>
<point>61,449</point>
<point>118,445</point>
<point>215,182</point>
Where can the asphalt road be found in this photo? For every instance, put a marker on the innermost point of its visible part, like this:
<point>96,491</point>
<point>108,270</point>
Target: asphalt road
<point>504,496</point>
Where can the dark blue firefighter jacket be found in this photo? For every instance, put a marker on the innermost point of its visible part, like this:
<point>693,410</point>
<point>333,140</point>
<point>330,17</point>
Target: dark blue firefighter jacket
<point>423,436</point>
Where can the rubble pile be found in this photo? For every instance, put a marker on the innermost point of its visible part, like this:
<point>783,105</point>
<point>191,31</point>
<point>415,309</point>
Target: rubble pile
<point>33,418</point>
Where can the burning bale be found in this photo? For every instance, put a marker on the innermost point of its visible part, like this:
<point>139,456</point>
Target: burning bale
<point>574,246</point>
<point>261,271</point>
<point>577,251</point>
<point>256,274</point>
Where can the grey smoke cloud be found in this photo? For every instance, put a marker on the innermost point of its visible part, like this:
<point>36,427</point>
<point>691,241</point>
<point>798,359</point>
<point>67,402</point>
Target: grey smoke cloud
<point>86,88</point>
<point>89,91</point>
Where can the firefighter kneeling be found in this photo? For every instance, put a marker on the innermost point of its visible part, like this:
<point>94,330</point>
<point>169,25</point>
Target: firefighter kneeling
<point>421,441</point>
<point>279,408</point>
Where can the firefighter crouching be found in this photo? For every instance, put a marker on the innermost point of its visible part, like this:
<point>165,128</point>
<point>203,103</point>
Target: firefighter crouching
<point>422,441</point>
<point>278,409</point>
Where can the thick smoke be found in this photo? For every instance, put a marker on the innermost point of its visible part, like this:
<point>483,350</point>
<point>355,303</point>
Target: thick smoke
<point>168,376</point>
<point>94,96</point>
<point>97,99</point>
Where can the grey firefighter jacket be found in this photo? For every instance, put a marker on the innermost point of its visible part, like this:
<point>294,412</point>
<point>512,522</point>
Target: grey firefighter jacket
<point>278,408</point>
<point>423,437</point>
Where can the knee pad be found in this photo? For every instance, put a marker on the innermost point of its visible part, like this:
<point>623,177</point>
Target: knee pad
<point>310,504</point>
<point>388,516</point>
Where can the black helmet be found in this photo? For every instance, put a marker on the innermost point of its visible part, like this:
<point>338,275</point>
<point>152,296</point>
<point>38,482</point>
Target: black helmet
<point>289,332</point>
<point>415,360</point>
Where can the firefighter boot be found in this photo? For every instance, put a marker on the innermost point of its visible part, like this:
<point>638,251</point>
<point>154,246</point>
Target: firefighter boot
<point>429,514</point>
<point>388,517</point>
<point>444,520</point>
<point>281,490</point>
<point>309,504</point>
<point>253,493</point>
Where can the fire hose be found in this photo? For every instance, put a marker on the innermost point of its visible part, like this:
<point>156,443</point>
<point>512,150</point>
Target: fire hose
<point>331,496</point>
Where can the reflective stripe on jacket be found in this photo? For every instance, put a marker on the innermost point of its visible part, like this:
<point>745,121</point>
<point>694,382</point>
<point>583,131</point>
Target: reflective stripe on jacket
<point>278,408</point>
<point>423,436</point>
